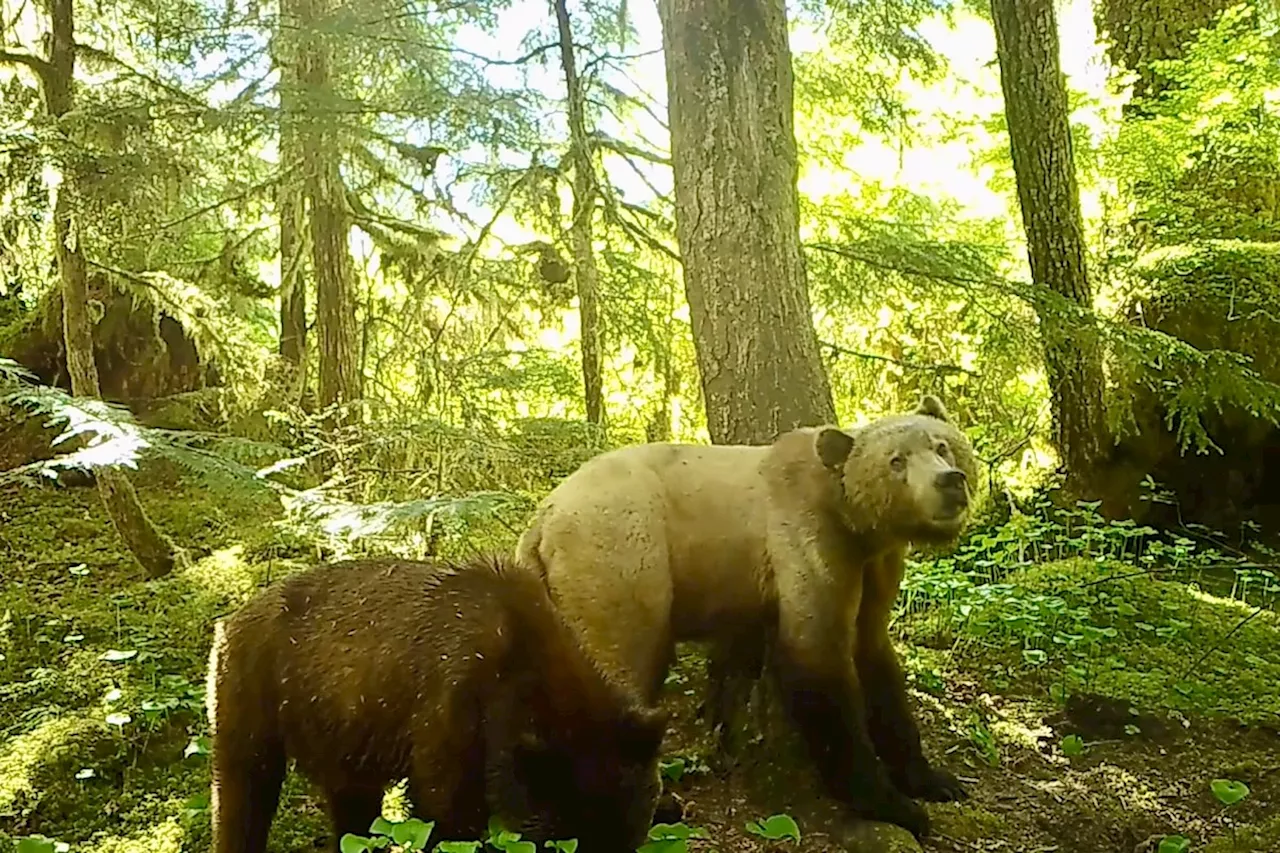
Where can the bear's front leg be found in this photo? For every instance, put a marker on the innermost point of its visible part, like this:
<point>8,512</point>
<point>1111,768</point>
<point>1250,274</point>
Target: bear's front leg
<point>893,728</point>
<point>890,723</point>
<point>825,703</point>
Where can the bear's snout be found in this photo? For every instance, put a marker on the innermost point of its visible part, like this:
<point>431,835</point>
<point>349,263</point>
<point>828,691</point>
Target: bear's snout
<point>952,484</point>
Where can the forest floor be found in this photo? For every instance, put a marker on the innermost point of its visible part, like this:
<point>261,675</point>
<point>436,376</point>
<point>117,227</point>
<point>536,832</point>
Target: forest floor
<point>102,679</point>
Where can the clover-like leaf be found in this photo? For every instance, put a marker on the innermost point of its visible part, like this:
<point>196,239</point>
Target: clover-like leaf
<point>1173,844</point>
<point>775,828</point>
<point>412,834</point>
<point>35,844</point>
<point>1229,791</point>
<point>353,843</point>
<point>1072,745</point>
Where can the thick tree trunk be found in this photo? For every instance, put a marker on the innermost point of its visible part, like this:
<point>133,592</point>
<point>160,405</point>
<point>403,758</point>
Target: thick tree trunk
<point>289,202</point>
<point>1040,141</point>
<point>1141,32</point>
<point>585,274</point>
<point>729,100</point>
<point>289,205</point>
<point>149,546</point>
<point>729,91</point>
<point>340,375</point>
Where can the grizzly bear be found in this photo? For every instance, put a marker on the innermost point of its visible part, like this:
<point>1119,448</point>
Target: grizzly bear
<point>802,540</point>
<point>462,678</point>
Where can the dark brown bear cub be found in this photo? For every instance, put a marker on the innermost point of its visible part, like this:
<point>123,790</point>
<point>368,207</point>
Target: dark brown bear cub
<point>464,679</point>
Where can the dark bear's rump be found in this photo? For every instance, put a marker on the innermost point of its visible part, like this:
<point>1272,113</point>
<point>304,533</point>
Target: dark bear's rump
<point>368,672</point>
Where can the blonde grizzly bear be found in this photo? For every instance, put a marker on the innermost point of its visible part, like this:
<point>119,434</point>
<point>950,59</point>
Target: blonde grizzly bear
<point>461,677</point>
<point>653,544</point>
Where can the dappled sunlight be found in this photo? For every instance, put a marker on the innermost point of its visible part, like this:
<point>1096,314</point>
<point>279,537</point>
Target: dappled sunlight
<point>224,573</point>
<point>50,744</point>
<point>166,836</point>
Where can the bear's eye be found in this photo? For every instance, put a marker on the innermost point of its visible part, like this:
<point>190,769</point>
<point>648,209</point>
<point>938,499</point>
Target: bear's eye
<point>942,448</point>
<point>897,463</point>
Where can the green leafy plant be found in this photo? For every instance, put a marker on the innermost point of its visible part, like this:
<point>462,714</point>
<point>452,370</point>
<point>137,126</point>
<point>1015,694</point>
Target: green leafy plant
<point>40,844</point>
<point>775,828</point>
<point>1174,844</point>
<point>1228,791</point>
<point>670,838</point>
<point>1072,745</point>
<point>406,835</point>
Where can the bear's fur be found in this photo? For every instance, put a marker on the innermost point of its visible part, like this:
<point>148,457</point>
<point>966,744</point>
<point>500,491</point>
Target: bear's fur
<point>463,679</point>
<point>802,540</point>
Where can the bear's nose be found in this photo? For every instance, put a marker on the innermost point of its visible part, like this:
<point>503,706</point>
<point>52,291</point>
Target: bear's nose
<point>951,481</point>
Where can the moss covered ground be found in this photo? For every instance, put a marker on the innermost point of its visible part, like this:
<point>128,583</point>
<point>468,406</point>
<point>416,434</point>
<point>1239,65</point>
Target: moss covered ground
<point>1091,705</point>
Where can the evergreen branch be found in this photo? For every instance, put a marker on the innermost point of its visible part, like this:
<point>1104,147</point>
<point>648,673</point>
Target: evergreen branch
<point>907,365</point>
<point>114,438</point>
<point>39,66</point>
<point>617,146</point>
<point>108,58</point>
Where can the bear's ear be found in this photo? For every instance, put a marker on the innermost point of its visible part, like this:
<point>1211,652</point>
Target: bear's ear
<point>932,406</point>
<point>833,446</point>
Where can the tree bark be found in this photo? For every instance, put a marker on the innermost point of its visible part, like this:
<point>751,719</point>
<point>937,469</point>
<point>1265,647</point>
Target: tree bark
<point>733,148</point>
<point>1140,32</point>
<point>730,105</point>
<point>149,546</point>
<point>336,327</point>
<point>289,197</point>
<point>585,273</point>
<point>1035,98</point>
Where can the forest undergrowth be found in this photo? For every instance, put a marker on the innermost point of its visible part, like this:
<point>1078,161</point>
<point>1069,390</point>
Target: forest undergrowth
<point>1100,688</point>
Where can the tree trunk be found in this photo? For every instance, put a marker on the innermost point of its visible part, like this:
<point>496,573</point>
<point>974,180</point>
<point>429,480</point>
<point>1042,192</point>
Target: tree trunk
<point>289,206</point>
<point>340,375</point>
<point>585,274</point>
<point>733,148</point>
<point>729,95</point>
<point>1035,98</point>
<point>149,546</point>
<point>1141,32</point>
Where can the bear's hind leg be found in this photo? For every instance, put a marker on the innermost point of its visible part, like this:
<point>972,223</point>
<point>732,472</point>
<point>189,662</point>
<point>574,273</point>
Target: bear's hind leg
<point>247,776</point>
<point>353,809</point>
<point>734,666</point>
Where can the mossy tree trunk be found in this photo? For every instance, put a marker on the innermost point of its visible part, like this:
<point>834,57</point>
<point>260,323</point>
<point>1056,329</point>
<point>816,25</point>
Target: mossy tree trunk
<point>149,546</point>
<point>586,275</point>
<point>733,147</point>
<point>290,201</point>
<point>321,146</point>
<point>1035,99</point>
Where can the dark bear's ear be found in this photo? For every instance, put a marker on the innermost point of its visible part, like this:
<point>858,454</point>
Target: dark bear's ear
<point>642,734</point>
<point>833,446</point>
<point>932,406</point>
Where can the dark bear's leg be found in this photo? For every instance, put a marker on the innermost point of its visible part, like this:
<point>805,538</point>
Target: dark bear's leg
<point>353,810</point>
<point>447,785</point>
<point>828,710</point>
<point>893,729</point>
<point>734,665</point>
<point>247,774</point>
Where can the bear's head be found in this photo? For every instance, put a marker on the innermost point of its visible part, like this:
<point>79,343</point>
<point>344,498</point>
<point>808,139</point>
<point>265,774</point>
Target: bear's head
<point>596,780</point>
<point>906,478</point>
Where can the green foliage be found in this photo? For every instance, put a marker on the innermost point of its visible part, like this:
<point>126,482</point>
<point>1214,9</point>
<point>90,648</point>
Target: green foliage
<point>777,827</point>
<point>1228,791</point>
<point>670,838</point>
<point>1202,165</point>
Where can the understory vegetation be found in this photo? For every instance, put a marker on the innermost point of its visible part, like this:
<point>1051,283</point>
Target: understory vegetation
<point>285,282</point>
